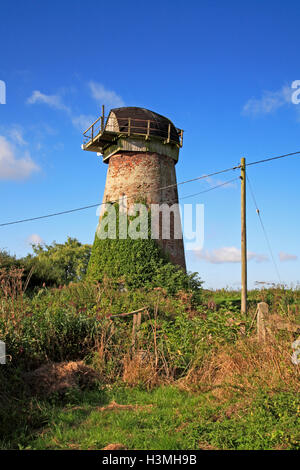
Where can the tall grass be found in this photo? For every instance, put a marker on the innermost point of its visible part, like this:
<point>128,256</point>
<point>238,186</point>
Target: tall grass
<point>206,347</point>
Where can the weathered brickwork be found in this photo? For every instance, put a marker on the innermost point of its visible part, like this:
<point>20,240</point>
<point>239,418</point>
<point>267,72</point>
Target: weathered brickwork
<point>139,175</point>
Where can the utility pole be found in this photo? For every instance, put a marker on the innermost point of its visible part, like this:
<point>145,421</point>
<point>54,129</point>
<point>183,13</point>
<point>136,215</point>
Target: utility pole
<point>243,237</point>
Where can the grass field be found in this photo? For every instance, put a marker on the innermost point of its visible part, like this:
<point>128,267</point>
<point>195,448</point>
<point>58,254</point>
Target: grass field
<point>195,378</point>
<point>169,418</point>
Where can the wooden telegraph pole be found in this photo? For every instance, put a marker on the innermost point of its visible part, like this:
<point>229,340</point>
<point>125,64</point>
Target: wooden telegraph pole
<point>243,237</point>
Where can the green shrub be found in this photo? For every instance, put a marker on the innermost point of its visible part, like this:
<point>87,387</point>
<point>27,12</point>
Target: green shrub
<point>137,263</point>
<point>52,265</point>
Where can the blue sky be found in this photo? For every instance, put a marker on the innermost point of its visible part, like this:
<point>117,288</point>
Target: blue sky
<point>222,71</point>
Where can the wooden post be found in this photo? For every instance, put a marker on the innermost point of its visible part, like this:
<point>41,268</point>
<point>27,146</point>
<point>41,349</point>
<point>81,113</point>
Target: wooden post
<point>181,138</point>
<point>169,133</point>
<point>243,238</point>
<point>262,317</point>
<point>102,119</point>
<point>129,125</point>
<point>134,322</point>
<point>138,321</point>
<point>148,129</point>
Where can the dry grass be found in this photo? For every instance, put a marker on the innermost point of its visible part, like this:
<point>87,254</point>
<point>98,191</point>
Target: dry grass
<point>113,406</point>
<point>245,366</point>
<point>57,378</point>
<point>140,368</point>
<point>115,446</point>
<point>11,286</point>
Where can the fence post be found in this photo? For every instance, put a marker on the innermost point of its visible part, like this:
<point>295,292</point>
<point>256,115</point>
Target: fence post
<point>133,331</point>
<point>136,324</point>
<point>262,316</point>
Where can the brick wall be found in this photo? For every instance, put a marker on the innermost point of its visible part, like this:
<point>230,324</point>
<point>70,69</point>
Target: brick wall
<point>139,175</point>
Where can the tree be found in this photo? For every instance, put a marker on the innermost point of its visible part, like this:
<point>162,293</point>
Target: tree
<point>7,260</point>
<point>59,263</point>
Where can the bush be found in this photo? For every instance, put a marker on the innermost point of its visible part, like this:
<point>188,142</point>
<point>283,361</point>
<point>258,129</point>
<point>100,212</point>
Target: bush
<point>51,265</point>
<point>137,263</point>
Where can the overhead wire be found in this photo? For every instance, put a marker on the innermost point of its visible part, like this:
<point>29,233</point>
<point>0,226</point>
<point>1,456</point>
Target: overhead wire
<point>264,229</point>
<point>157,189</point>
<point>108,202</point>
<point>273,158</point>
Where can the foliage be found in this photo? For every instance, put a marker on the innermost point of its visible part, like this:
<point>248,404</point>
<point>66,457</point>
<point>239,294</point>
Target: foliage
<point>168,418</point>
<point>137,263</point>
<point>205,347</point>
<point>67,261</point>
<point>270,422</point>
<point>7,261</point>
<point>52,265</point>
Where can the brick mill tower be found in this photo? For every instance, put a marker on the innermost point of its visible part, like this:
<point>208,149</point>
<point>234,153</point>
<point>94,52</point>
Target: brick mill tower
<point>141,149</point>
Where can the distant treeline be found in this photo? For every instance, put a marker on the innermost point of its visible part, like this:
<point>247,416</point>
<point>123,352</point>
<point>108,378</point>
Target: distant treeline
<point>51,265</point>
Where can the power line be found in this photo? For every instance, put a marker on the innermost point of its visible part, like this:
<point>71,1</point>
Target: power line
<point>187,181</point>
<point>273,158</point>
<point>205,176</point>
<point>210,189</point>
<point>177,184</point>
<point>205,190</point>
<point>49,215</point>
<point>264,230</point>
<point>109,202</point>
<point>158,189</point>
<point>257,209</point>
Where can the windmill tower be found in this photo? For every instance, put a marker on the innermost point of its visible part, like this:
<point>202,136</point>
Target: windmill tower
<point>141,149</point>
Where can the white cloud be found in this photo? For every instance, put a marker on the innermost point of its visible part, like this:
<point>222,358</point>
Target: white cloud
<point>11,167</point>
<point>269,102</point>
<point>287,257</point>
<point>104,96</point>
<point>212,182</point>
<point>54,101</point>
<point>16,134</point>
<point>35,239</point>
<point>228,254</point>
<point>83,121</point>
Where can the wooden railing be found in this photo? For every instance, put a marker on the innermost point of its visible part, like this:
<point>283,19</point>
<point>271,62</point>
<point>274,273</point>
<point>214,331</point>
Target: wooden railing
<point>95,128</point>
<point>133,127</point>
